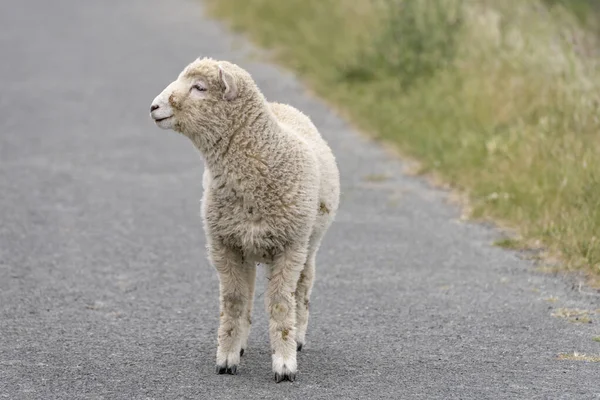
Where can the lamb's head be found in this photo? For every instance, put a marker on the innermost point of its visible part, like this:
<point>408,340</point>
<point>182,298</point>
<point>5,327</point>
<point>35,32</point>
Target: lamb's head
<point>203,98</point>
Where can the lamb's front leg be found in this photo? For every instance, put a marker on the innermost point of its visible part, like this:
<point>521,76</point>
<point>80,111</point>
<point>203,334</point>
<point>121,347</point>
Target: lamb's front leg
<point>281,305</point>
<point>234,297</point>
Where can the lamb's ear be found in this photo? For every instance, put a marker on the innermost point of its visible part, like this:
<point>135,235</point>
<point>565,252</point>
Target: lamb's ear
<point>231,89</point>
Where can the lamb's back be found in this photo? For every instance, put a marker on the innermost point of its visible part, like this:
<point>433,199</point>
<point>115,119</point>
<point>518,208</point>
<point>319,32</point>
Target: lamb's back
<point>299,123</point>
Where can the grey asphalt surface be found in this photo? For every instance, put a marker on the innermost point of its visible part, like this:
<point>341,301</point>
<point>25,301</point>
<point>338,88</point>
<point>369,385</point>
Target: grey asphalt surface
<point>105,291</point>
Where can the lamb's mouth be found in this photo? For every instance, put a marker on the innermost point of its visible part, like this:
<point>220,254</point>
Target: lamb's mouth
<point>163,119</point>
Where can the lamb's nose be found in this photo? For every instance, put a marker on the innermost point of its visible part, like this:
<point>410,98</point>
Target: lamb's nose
<point>153,107</point>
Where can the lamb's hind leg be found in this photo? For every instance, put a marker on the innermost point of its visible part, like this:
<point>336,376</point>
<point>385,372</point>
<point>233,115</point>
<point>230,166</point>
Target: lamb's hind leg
<point>303,290</point>
<point>234,296</point>
<point>283,276</point>
<point>250,272</point>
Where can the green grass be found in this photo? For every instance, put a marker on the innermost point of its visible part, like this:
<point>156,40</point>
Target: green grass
<point>509,243</point>
<point>586,11</point>
<point>500,99</point>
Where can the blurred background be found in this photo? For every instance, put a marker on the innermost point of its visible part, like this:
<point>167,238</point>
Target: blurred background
<point>497,98</point>
<point>105,287</point>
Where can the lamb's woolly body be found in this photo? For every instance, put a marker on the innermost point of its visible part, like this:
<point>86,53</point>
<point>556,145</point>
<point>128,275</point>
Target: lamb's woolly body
<point>271,191</point>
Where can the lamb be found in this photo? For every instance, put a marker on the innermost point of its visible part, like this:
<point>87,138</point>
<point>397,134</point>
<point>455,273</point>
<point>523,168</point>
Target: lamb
<point>271,191</point>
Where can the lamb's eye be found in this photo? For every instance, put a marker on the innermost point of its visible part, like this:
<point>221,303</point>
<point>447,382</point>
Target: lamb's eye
<point>199,88</point>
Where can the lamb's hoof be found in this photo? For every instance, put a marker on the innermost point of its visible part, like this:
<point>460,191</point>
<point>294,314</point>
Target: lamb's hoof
<point>284,369</point>
<point>299,347</point>
<point>241,352</point>
<point>225,369</point>
<point>286,376</point>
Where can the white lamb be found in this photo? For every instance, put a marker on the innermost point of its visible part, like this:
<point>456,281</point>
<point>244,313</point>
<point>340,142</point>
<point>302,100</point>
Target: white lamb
<point>271,191</point>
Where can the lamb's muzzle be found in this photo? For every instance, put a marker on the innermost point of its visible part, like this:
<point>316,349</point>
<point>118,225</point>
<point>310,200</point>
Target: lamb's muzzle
<point>161,111</point>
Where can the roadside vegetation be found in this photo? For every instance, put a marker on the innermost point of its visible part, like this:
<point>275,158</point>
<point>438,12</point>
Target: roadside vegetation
<point>499,99</point>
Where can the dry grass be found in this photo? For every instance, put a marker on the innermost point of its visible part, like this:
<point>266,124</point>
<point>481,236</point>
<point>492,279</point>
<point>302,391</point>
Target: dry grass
<point>578,357</point>
<point>499,99</point>
<point>376,178</point>
<point>574,315</point>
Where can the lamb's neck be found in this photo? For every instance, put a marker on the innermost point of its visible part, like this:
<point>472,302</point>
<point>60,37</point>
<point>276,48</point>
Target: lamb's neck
<point>236,150</point>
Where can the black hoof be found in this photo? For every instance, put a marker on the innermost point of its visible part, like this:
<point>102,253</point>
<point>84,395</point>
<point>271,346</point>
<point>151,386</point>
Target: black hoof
<point>241,352</point>
<point>224,369</point>
<point>287,376</point>
<point>299,346</point>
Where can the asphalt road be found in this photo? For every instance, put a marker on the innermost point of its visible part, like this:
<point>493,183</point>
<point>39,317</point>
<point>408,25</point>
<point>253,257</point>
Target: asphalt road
<point>105,291</point>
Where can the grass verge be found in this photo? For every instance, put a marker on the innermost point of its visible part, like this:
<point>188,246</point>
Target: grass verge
<point>498,99</point>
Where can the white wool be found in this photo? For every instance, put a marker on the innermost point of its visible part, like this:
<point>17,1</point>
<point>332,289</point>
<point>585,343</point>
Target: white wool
<point>271,191</point>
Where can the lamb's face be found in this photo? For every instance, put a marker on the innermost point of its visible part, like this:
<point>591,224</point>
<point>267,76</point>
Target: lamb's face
<point>198,96</point>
